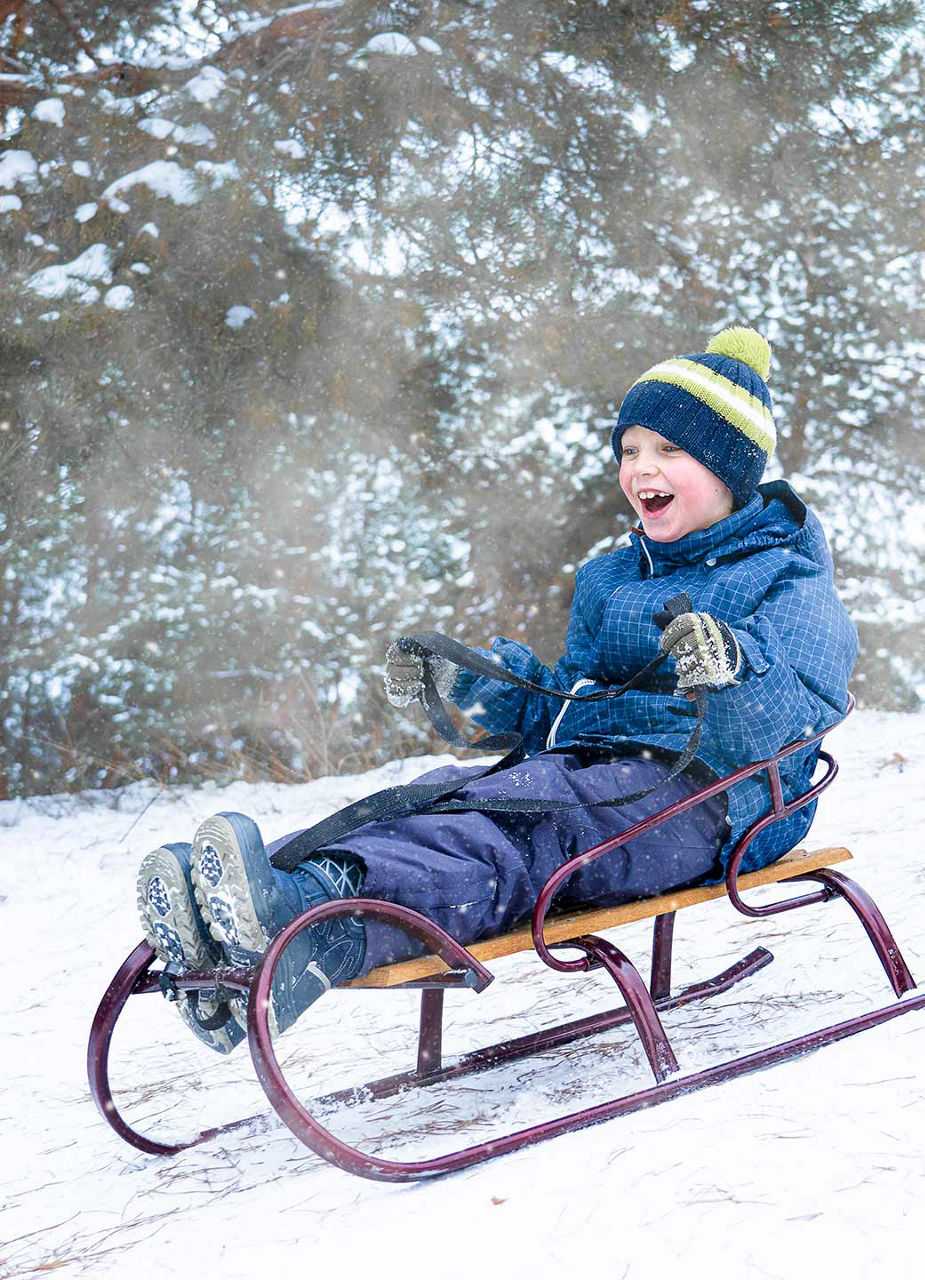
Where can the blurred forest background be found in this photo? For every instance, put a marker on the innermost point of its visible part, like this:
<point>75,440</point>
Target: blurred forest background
<point>315,320</point>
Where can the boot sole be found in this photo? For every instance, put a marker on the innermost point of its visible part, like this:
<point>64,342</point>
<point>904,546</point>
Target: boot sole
<point>223,891</point>
<point>177,918</point>
<point>190,950</point>
<point>227,884</point>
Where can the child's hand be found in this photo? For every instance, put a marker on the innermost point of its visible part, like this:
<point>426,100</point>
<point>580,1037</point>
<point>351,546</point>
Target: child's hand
<point>404,676</point>
<point>705,651</point>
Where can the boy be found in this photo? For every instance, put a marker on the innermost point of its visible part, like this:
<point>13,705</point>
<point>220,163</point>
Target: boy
<point>768,636</point>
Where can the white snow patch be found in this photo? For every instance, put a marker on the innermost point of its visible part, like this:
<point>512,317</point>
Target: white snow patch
<point>82,169</point>
<point>218,174</point>
<point>313,4</point>
<point>84,212</point>
<point>290,147</point>
<point>236,317</point>
<point>120,297</point>
<point>640,119</point>
<point>157,127</point>
<point>206,86</point>
<point>196,135</point>
<point>165,178</point>
<point>9,203</point>
<point>150,229</point>
<point>393,43</point>
<point>140,268</point>
<point>49,111</point>
<point>17,166</point>
<point>72,278</point>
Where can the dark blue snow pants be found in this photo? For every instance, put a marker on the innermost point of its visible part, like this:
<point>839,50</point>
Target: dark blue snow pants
<point>479,874</point>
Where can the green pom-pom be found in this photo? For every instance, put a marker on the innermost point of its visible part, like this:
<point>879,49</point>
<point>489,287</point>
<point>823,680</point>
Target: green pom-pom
<point>743,344</point>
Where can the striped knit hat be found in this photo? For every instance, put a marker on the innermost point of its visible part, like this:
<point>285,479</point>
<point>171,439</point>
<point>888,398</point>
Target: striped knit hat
<point>715,406</point>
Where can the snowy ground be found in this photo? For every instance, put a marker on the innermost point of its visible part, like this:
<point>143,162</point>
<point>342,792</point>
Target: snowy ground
<point>816,1166</point>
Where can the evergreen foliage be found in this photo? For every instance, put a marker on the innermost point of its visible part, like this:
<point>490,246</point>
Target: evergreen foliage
<point>317,319</point>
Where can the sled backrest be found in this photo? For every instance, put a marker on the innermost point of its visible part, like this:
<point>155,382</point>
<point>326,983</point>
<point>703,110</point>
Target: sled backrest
<point>574,924</point>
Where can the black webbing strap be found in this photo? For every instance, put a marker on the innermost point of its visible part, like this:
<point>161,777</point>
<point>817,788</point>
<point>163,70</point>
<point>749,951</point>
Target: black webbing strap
<point>215,1021</point>
<point>435,797</point>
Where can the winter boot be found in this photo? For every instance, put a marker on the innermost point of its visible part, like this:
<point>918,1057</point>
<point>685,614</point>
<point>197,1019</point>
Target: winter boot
<point>173,926</point>
<point>246,902</point>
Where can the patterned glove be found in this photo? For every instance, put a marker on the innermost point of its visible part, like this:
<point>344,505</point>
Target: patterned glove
<point>404,676</point>
<point>705,651</point>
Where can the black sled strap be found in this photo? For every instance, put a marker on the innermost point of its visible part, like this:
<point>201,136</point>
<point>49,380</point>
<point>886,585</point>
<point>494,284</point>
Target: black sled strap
<point>435,797</point>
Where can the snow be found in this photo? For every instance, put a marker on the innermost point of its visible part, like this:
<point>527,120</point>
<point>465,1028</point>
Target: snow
<point>218,174</point>
<point>207,85</point>
<point>163,177</point>
<point>120,298</point>
<point>314,4</point>
<point>95,263</point>
<point>197,135</point>
<point>194,135</point>
<point>640,119</point>
<point>389,42</point>
<point>290,147</point>
<point>236,317</point>
<point>17,166</point>
<point>9,204</point>
<point>50,111</point>
<point>84,212</point>
<point>157,127</point>
<point>815,1167</point>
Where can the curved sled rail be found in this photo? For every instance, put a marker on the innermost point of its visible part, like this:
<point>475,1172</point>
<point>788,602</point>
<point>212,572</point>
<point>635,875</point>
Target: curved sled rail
<point>132,979</point>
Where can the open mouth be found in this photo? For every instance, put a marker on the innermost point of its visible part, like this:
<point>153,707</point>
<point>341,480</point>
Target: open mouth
<point>654,500</point>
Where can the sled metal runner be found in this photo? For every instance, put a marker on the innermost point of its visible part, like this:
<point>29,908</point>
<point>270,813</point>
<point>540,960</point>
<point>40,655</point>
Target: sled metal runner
<point>451,966</point>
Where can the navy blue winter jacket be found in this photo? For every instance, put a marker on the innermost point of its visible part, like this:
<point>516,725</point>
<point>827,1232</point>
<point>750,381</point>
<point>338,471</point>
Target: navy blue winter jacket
<point>765,570</point>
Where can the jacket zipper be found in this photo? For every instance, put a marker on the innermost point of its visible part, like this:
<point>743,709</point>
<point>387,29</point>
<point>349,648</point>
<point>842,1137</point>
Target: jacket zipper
<point>645,549</point>
<point>551,737</point>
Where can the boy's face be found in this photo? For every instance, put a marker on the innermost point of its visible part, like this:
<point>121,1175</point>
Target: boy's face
<point>672,493</point>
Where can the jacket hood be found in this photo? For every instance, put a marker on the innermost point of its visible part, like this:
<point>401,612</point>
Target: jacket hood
<point>776,516</point>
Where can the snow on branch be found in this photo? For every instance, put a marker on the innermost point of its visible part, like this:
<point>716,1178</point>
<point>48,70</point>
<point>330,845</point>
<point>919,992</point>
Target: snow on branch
<point>315,22</point>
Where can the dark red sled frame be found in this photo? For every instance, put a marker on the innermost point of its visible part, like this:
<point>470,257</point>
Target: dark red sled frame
<point>642,1002</point>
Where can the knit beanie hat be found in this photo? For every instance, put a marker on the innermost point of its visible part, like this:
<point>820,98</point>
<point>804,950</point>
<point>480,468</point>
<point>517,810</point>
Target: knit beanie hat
<point>715,406</point>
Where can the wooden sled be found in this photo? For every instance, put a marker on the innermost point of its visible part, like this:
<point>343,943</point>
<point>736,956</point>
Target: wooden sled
<point>450,966</point>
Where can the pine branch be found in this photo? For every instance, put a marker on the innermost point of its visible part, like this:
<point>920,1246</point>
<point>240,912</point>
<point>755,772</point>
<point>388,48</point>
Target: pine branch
<point>74,27</point>
<point>303,25</point>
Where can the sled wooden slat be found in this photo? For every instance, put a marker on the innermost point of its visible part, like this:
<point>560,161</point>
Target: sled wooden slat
<point>561,928</point>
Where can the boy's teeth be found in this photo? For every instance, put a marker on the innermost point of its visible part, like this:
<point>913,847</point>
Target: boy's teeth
<point>654,500</point>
